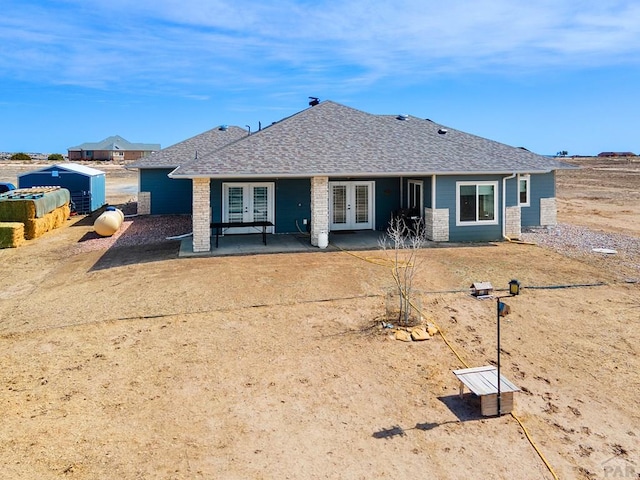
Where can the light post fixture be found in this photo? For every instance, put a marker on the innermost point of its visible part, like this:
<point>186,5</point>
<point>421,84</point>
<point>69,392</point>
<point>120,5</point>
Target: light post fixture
<point>514,289</point>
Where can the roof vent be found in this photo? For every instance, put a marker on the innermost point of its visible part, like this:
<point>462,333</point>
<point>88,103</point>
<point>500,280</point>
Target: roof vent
<point>403,117</point>
<point>442,131</point>
<point>223,128</point>
<point>313,101</point>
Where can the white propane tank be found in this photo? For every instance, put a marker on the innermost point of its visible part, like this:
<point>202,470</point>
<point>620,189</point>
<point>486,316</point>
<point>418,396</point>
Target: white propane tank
<point>108,222</point>
<point>323,239</point>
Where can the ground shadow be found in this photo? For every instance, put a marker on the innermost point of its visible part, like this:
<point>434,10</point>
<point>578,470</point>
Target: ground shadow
<point>398,431</point>
<point>132,255</point>
<point>85,221</point>
<point>465,407</point>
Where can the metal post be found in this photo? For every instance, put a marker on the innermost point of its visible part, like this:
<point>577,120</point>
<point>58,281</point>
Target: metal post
<point>498,323</point>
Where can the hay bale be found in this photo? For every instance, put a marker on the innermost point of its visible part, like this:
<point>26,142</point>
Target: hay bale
<point>61,214</point>
<point>28,203</point>
<point>11,234</point>
<point>17,210</point>
<point>36,227</point>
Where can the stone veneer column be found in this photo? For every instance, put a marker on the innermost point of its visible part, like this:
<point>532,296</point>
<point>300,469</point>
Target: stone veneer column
<point>201,217</point>
<point>513,227</point>
<point>436,222</point>
<point>319,208</point>
<point>548,212</point>
<point>144,203</point>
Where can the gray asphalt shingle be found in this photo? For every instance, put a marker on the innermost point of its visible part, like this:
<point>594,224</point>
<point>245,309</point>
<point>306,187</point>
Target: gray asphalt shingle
<point>185,151</point>
<point>335,140</point>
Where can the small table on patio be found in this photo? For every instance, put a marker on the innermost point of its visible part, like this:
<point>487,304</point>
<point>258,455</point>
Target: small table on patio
<point>219,226</point>
<point>483,382</point>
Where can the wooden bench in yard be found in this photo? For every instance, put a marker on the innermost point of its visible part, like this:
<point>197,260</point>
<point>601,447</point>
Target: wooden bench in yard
<point>221,226</point>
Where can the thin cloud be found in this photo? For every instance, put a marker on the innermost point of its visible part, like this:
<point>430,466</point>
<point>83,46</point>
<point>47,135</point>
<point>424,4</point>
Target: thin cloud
<point>167,45</point>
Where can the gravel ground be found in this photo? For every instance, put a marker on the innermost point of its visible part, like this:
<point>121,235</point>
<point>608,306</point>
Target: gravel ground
<point>575,241</point>
<point>135,231</point>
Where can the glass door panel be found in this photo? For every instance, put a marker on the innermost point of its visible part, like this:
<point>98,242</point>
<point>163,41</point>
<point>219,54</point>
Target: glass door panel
<point>339,204</point>
<point>260,204</point>
<point>235,199</point>
<point>362,204</point>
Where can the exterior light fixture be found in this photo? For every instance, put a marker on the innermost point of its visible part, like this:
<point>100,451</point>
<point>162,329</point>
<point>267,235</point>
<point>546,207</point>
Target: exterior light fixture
<point>514,287</point>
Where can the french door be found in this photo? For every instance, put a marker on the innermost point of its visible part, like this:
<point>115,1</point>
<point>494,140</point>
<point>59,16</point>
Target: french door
<point>247,202</point>
<point>351,205</point>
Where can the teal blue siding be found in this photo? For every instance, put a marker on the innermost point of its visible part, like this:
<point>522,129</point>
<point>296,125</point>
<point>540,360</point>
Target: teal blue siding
<point>387,201</point>
<point>386,198</point>
<point>446,198</point>
<point>215,200</point>
<point>168,196</point>
<point>426,191</point>
<point>293,205</point>
<point>540,186</point>
<point>292,202</point>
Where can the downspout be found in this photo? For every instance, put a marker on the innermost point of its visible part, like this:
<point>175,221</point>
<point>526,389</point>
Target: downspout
<point>504,205</point>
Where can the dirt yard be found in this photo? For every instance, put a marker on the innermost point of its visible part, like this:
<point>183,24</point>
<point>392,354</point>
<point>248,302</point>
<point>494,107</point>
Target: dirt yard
<point>129,363</point>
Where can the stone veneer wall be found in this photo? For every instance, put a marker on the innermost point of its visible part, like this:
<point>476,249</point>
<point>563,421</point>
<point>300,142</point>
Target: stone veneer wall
<point>319,208</point>
<point>201,218</point>
<point>144,203</point>
<point>548,211</point>
<point>436,222</point>
<point>513,227</point>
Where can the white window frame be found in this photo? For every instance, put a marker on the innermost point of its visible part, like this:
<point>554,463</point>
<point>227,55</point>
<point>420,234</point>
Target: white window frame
<point>525,178</point>
<point>496,212</point>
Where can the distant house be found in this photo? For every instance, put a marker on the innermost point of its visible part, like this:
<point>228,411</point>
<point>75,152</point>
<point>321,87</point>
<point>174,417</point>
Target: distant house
<point>616,154</point>
<point>335,168</point>
<point>114,148</point>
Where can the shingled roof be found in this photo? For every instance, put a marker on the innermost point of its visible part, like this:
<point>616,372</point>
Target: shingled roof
<point>116,142</point>
<point>331,139</point>
<point>190,149</point>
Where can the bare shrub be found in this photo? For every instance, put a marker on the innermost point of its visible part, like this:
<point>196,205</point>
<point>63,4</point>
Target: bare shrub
<point>401,245</point>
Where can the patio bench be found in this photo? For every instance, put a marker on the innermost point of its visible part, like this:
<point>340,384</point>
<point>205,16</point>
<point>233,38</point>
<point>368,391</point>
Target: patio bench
<point>221,226</point>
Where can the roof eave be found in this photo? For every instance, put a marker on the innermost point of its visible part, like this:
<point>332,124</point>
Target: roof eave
<point>177,175</point>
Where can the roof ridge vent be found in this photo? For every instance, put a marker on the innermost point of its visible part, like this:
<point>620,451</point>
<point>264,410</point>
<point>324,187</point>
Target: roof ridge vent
<point>403,117</point>
<point>442,131</point>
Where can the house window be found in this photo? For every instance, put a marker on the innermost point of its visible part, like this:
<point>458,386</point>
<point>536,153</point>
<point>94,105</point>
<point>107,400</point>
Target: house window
<point>476,203</point>
<point>524,182</point>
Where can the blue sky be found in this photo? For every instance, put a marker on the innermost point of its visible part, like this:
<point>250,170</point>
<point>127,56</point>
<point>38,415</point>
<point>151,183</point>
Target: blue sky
<point>548,75</point>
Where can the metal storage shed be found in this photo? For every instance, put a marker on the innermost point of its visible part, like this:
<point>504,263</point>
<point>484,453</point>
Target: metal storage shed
<point>87,185</point>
